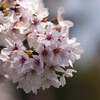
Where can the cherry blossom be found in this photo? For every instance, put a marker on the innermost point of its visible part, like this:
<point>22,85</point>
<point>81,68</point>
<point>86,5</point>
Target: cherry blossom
<point>35,52</point>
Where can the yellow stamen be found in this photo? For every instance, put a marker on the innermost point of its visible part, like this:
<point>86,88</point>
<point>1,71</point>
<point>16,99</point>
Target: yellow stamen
<point>29,52</point>
<point>5,5</point>
<point>18,24</point>
<point>46,26</point>
<point>5,13</point>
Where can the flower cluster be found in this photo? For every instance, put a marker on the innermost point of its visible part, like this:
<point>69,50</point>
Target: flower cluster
<point>35,52</point>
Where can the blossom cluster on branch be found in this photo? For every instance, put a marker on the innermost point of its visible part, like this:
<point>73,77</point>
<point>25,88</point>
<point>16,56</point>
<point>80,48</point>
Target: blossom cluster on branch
<point>36,53</point>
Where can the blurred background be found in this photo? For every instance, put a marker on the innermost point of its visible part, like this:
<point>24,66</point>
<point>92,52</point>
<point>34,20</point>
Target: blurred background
<point>85,85</point>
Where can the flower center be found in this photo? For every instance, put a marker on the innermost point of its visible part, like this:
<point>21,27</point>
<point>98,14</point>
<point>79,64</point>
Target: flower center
<point>49,37</point>
<point>57,50</point>
<point>35,21</point>
<point>15,48</point>
<point>23,59</point>
<point>37,62</point>
<point>45,53</point>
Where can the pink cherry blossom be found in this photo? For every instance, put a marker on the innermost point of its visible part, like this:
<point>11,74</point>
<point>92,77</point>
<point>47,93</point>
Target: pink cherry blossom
<point>35,52</point>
